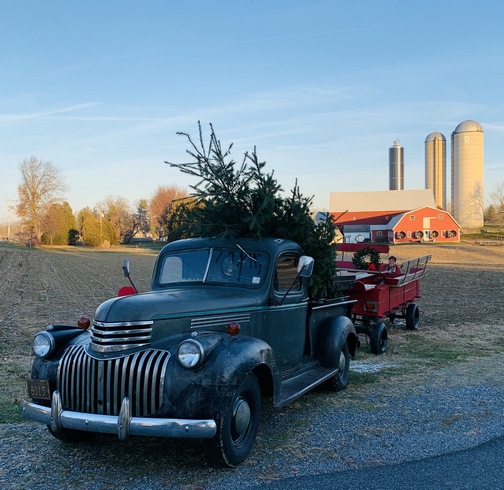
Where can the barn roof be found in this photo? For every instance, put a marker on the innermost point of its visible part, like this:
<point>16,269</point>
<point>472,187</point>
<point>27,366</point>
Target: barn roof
<point>381,200</point>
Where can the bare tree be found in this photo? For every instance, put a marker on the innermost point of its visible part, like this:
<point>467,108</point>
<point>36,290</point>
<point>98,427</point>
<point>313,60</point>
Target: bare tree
<point>41,185</point>
<point>497,197</point>
<point>161,203</point>
<point>474,209</point>
<point>117,211</point>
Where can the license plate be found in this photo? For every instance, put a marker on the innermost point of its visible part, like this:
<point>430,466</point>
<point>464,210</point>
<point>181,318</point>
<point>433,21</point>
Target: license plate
<point>39,388</point>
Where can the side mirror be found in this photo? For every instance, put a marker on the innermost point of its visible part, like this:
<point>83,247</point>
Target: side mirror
<point>305,266</point>
<point>126,267</point>
<point>126,270</point>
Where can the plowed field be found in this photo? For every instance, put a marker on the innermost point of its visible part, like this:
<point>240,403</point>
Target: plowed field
<point>58,285</point>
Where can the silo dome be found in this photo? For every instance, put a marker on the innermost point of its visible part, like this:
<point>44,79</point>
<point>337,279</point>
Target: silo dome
<point>468,126</point>
<point>435,136</point>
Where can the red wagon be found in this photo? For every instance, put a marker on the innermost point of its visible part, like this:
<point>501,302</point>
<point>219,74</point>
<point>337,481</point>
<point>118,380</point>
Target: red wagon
<point>379,294</point>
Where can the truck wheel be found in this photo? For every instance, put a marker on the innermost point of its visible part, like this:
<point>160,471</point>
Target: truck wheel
<point>412,317</point>
<point>378,338</point>
<point>237,427</point>
<point>340,380</point>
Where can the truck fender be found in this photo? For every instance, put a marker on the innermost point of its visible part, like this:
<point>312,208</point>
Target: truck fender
<point>207,390</point>
<point>243,355</point>
<point>331,336</point>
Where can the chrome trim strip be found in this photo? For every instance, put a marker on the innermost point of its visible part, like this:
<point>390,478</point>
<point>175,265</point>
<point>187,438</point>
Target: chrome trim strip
<point>136,339</point>
<point>219,320</point>
<point>121,332</point>
<point>120,336</point>
<point>115,348</point>
<point>121,425</point>
<point>122,324</point>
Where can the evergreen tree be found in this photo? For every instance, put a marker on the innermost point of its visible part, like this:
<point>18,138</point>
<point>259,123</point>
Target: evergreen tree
<point>95,229</point>
<point>235,200</point>
<point>56,224</point>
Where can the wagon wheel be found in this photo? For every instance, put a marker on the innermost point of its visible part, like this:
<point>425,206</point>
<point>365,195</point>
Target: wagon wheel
<point>378,338</point>
<point>237,426</point>
<point>412,317</point>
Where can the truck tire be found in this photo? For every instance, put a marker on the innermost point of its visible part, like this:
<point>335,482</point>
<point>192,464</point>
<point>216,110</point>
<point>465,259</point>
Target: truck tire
<point>237,426</point>
<point>412,317</point>
<point>379,338</point>
<point>340,380</point>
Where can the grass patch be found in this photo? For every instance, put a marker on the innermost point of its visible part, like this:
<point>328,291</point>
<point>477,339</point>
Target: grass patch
<point>361,379</point>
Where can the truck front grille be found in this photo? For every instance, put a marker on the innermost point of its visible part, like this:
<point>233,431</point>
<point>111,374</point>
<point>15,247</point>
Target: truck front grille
<point>98,386</point>
<point>120,336</point>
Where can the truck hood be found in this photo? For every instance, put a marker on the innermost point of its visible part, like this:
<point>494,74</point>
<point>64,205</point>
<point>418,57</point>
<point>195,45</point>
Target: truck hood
<point>175,302</point>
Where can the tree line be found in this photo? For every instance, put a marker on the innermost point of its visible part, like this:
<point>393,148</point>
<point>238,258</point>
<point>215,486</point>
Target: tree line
<point>47,218</point>
<point>494,213</point>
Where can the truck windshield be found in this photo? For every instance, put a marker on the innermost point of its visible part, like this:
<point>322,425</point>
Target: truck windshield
<point>230,266</point>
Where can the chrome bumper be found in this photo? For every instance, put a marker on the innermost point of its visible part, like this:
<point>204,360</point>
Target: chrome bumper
<point>124,425</point>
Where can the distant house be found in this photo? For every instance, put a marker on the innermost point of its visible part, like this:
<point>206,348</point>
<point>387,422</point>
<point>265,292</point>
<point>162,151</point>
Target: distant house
<point>392,216</point>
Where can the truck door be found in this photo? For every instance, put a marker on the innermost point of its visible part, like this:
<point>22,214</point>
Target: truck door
<point>287,313</point>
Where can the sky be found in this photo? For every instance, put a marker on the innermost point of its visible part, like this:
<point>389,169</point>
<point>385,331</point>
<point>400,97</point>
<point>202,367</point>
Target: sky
<point>320,88</point>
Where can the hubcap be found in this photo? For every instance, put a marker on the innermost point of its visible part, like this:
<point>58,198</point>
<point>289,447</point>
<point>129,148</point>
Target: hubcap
<point>241,417</point>
<point>342,362</point>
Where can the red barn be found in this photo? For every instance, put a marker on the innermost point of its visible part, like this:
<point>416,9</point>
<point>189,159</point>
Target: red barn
<point>393,216</point>
<point>423,224</point>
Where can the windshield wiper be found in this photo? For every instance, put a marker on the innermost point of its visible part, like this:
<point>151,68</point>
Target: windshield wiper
<point>249,256</point>
<point>208,265</point>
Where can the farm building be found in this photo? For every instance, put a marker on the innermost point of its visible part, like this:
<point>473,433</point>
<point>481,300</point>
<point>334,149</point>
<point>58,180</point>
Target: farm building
<point>425,224</point>
<point>379,216</point>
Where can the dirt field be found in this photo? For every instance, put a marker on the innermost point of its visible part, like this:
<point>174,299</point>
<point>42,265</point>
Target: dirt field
<point>464,285</point>
<point>59,285</point>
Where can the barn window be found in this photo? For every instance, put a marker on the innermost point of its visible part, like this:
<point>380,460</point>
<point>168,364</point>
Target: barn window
<point>439,216</point>
<point>412,217</point>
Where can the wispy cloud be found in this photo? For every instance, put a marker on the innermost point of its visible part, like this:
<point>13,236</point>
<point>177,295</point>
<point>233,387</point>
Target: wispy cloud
<point>9,118</point>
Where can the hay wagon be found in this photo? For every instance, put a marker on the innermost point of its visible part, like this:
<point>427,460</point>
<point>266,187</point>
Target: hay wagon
<point>380,295</point>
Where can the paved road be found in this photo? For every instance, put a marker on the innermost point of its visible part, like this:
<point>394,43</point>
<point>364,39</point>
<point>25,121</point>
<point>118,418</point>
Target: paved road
<point>479,468</point>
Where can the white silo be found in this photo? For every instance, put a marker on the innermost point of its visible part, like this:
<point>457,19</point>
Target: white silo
<point>435,167</point>
<point>467,166</point>
<point>396,167</point>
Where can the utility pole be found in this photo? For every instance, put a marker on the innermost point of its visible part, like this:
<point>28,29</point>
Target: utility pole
<point>9,208</point>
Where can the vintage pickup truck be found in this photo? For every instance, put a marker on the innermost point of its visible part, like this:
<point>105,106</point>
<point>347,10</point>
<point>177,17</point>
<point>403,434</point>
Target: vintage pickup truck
<point>225,322</point>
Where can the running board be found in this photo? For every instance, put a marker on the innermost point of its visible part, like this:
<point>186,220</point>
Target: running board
<point>300,384</point>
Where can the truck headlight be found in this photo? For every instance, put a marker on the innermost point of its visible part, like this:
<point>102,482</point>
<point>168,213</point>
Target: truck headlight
<point>190,354</point>
<point>43,344</point>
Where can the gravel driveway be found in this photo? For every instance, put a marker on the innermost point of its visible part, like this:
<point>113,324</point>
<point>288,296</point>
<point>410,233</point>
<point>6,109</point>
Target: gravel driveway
<point>445,411</point>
